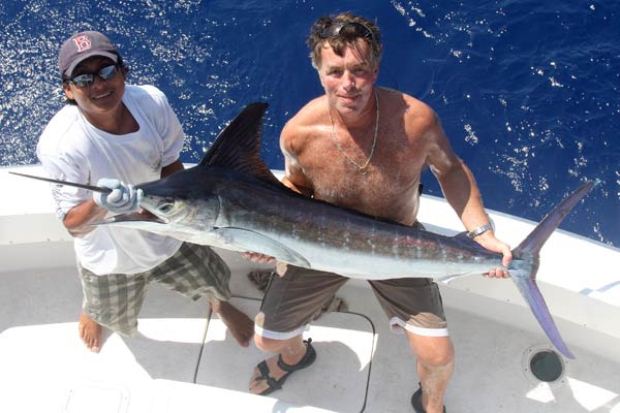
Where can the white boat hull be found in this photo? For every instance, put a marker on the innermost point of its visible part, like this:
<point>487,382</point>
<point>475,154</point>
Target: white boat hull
<point>184,361</point>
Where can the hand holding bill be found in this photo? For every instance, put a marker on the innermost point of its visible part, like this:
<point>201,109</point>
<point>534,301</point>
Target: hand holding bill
<point>124,198</point>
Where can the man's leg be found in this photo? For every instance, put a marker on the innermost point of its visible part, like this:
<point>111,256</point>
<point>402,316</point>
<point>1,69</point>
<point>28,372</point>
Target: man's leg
<point>196,271</point>
<point>435,365</point>
<point>88,328</point>
<point>112,301</point>
<point>289,304</point>
<point>415,305</point>
<point>237,322</point>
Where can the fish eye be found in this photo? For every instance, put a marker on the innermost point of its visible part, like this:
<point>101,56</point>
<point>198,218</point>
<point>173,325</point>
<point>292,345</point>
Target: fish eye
<point>166,207</point>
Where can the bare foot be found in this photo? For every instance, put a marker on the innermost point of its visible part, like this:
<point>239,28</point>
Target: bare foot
<point>90,332</point>
<point>238,323</point>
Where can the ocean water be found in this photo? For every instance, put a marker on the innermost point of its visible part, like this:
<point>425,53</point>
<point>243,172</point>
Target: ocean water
<point>527,90</point>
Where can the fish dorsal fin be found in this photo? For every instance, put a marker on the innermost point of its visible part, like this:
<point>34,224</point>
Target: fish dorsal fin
<point>237,147</point>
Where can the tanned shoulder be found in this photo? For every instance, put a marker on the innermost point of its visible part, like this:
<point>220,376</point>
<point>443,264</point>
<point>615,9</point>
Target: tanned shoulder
<point>424,125</point>
<point>299,128</point>
<point>419,114</point>
<point>293,141</point>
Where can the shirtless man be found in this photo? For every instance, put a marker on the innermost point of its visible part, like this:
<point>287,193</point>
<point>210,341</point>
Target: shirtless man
<point>364,147</point>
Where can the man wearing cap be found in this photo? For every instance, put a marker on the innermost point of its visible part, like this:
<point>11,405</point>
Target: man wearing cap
<point>115,135</point>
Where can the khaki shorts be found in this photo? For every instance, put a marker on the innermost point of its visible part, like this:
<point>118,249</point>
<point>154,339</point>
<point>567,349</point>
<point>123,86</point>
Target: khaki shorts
<point>114,300</point>
<point>290,302</point>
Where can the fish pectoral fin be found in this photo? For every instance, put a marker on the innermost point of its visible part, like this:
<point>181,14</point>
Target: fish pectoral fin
<point>252,241</point>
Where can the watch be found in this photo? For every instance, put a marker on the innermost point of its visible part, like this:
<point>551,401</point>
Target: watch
<point>480,230</point>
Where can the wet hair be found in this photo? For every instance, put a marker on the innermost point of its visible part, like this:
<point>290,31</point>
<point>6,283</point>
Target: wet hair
<point>341,31</point>
<point>120,63</point>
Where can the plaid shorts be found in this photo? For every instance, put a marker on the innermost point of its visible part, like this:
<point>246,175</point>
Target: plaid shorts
<point>114,300</point>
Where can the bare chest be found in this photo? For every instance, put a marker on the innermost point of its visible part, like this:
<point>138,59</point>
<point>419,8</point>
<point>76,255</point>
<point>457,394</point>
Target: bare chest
<point>387,187</point>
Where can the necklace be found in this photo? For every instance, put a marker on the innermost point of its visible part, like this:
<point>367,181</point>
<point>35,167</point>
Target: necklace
<point>363,166</point>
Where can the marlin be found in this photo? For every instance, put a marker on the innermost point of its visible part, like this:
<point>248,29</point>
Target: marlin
<point>232,200</point>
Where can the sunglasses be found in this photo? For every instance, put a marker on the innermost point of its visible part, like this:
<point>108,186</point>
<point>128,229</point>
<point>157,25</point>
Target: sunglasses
<point>87,79</point>
<point>341,28</point>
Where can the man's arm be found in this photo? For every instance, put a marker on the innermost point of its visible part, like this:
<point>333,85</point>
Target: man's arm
<point>79,217</point>
<point>172,168</point>
<point>461,191</point>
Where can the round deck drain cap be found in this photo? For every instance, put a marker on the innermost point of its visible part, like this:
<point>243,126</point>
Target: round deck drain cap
<point>543,364</point>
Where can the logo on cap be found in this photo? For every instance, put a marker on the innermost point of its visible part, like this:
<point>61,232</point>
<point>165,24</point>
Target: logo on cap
<point>82,43</point>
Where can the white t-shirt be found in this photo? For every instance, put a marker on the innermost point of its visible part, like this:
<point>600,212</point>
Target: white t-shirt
<point>72,149</point>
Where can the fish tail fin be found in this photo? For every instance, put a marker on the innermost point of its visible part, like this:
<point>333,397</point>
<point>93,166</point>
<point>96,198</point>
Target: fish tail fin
<point>532,295</point>
<point>525,278</point>
<point>535,240</point>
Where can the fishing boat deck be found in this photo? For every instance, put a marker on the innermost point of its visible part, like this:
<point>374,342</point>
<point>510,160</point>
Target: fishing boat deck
<point>185,361</point>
